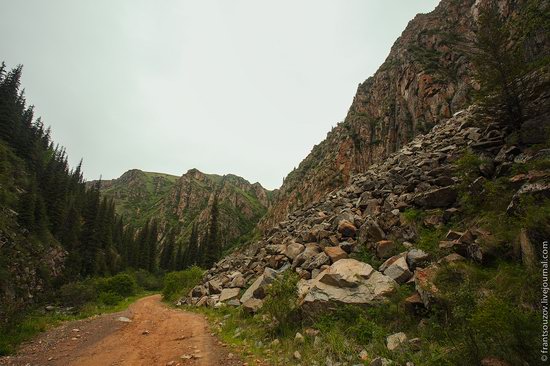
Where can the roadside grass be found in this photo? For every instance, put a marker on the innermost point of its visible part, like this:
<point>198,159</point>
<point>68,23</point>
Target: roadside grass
<point>481,311</point>
<point>77,300</point>
<point>38,320</point>
<point>178,284</point>
<point>490,309</point>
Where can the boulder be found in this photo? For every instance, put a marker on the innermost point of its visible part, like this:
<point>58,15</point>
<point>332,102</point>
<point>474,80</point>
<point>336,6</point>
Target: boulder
<point>347,246</point>
<point>417,258</point>
<point>454,257</point>
<point>310,251</point>
<point>316,262</point>
<point>238,281</point>
<point>538,190</point>
<point>396,341</point>
<point>346,228</point>
<point>252,305</point>
<point>528,250</point>
<point>437,198</point>
<point>414,303</point>
<point>370,231</point>
<point>534,131</point>
<point>381,361</point>
<point>347,281</point>
<point>257,289</point>
<point>390,261</point>
<point>202,301</point>
<point>384,248</point>
<point>293,250</point>
<point>424,284</point>
<point>275,249</point>
<point>214,287</point>
<point>198,291</point>
<point>453,245</point>
<point>453,235</point>
<point>233,302</point>
<point>229,293</point>
<point>399,270</point>
<point>335,253</point>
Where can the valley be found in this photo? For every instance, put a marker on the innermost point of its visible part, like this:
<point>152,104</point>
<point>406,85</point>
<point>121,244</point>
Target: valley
<point>415,234</point>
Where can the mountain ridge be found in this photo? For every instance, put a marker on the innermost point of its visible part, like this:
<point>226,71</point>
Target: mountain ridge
<point>426,77</point>
<point>180,203</point>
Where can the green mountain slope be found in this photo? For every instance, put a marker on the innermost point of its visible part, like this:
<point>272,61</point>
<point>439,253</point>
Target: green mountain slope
<point>178,204</point>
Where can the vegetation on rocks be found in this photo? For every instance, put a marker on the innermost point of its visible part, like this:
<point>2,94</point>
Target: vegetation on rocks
<point>177,284</point>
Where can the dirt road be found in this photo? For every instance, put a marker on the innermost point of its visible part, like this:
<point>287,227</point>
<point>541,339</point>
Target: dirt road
<point>156,335</point>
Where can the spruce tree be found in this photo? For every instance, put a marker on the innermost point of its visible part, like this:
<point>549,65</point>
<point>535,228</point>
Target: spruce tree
<point>167,255</point>
<point>191,256</point>
<point>499,66</point>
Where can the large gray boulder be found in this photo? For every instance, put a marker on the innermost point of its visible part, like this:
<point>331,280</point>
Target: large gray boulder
<point>229,293</point>
<point>293,250</point>
<point>257,289</point>
<point>347,281</point>
<point>437,198</point>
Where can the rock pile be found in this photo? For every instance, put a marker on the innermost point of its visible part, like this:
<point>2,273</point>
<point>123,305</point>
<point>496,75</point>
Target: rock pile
<point>368,215</point>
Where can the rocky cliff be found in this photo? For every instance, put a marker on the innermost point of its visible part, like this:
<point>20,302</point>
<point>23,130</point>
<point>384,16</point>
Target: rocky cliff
<point>435,227</point>
<point>426,78</point>
<point>178,203</point>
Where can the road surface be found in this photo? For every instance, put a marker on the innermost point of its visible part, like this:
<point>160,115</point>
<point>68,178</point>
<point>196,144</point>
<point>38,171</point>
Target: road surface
<point>156,335</point>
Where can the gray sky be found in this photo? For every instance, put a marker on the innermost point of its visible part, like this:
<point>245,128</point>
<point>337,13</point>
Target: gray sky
<point>228,86</point>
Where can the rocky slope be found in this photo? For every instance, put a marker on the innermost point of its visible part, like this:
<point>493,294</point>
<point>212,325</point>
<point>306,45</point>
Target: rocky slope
<point>426,78</point>
<point>448,205</point>
<point>179,203</point>
<point>366,215</point>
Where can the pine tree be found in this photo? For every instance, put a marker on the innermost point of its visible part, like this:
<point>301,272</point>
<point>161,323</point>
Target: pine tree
<point>179,262</point>
<point>89,235</point>
<point>152,239</point>
<point>191,256</point>
<point>499,66</point>
<point>143,246</point>
<point>55,205</point>
<point>167,255</point>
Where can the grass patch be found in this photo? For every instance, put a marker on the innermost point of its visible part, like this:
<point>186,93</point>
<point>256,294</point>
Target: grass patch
<point>178,284</point>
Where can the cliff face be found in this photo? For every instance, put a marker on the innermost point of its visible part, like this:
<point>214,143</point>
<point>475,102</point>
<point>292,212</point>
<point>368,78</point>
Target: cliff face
<point>425,79</point>
<point>178,203</point>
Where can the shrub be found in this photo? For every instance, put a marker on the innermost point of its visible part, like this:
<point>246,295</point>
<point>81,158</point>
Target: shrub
<point>148,281</point>
<point>109,298</point>
<point>122,285</point>
<point>468,165</point>
<point>413,215</point>
<point>77,294</point>
<point>179,283</point>
<point>281,301</point>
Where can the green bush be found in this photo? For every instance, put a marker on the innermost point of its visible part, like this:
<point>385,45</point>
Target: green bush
<point>122,285</point>
<point>109,298</point>
<point>281,301</point>
<point>413,215</point>
<point>179,283</point>
<point>148,281</point>
<point>77,294</point>
<point>491,312</point>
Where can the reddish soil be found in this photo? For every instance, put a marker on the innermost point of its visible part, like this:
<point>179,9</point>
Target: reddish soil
<point>156,335</point>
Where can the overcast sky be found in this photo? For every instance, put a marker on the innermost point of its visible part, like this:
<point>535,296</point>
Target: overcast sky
<point>229,86</point>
